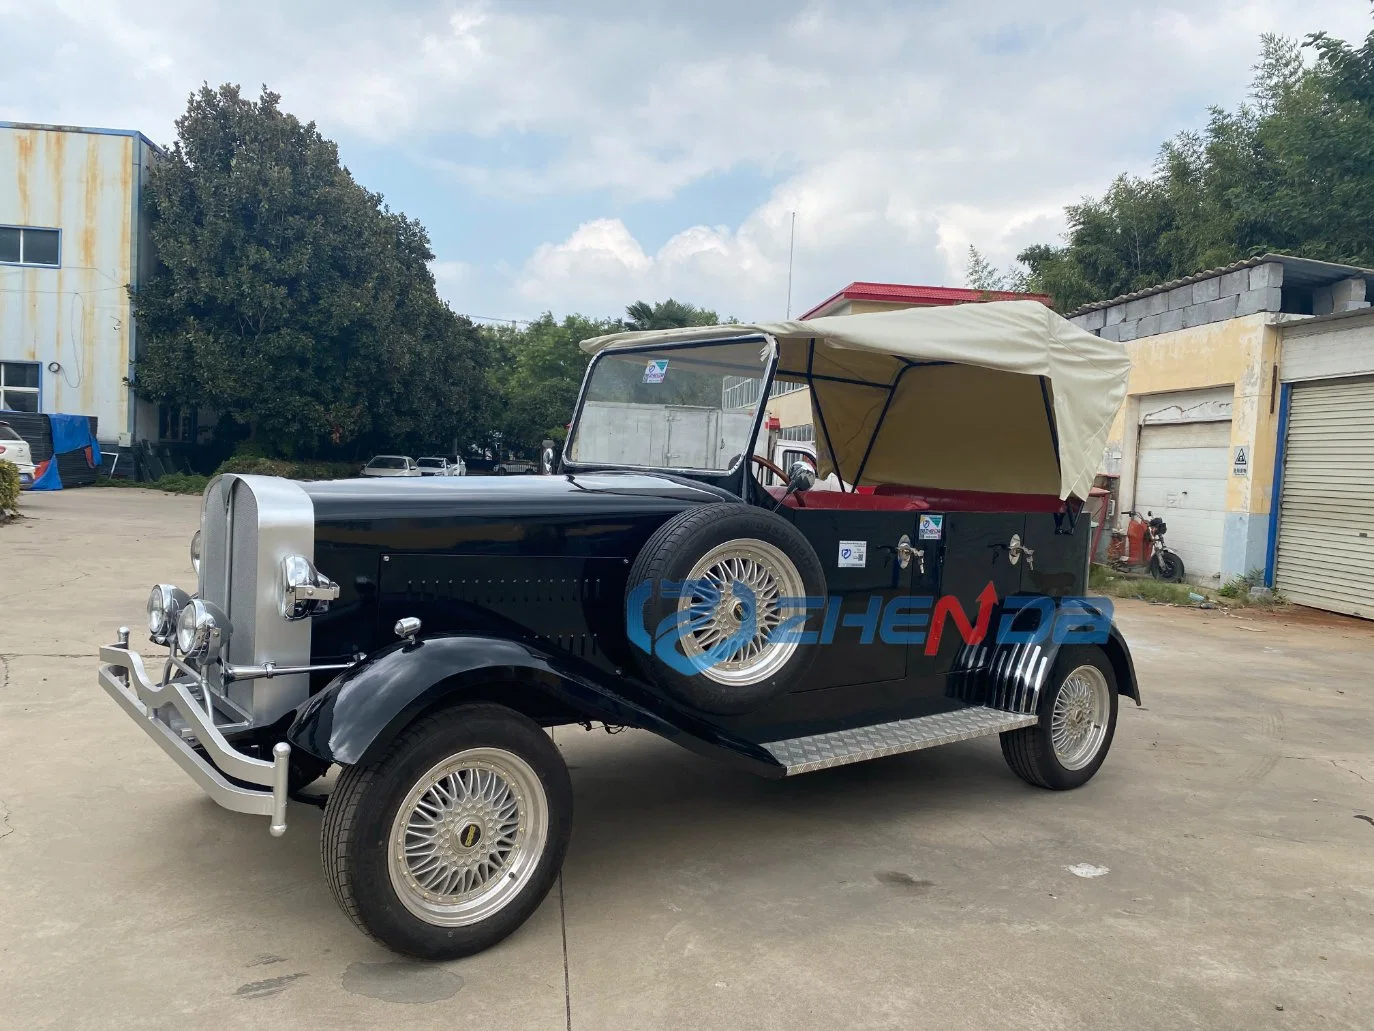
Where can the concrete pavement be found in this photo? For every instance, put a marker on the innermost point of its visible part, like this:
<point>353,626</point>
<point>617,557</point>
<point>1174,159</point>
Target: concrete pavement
<point>1217,873</point>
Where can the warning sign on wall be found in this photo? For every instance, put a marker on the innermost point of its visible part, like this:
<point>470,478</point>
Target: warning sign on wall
<point>1240,461</point>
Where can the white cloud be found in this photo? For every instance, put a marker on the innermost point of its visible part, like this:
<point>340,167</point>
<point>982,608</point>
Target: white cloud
<point>899,133</point>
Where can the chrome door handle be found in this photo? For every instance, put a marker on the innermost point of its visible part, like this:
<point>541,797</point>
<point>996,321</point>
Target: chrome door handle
<point>1015,551</point>
<point>905,553</point>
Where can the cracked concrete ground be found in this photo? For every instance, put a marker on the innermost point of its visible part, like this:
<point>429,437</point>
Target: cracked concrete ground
<point>1222,861</point>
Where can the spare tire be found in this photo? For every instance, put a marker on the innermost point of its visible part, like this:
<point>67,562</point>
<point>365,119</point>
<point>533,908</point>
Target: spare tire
<point>706,606</point>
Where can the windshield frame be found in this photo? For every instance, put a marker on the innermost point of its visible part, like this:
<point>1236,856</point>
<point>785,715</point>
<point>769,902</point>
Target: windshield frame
<point>769,367</point>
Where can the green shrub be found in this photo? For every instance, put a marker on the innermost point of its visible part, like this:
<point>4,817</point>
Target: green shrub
<point>254,465</point>
<point>9,488</point>
<point>1239,586</point>
<point>172,483</point>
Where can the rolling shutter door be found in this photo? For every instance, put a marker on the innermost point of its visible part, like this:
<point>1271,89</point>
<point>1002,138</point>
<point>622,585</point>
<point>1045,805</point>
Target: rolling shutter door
<point>1181,476</point>
<point>1326,507</point>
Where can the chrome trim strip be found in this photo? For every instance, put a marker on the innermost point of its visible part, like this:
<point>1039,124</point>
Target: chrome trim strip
<point>268,670</point>
<point>125,679</point>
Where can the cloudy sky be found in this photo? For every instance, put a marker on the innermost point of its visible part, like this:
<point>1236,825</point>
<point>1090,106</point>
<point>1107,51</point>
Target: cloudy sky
<point>576,155</point>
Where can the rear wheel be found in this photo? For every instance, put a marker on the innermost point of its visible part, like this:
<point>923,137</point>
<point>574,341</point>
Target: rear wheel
<point>1077,722</point>
<point>448,842</point>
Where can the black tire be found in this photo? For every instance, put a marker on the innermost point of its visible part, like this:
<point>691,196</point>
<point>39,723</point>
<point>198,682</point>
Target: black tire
<point>359,817</point>
<point>1166,566</point>
<point>669,556</point>
<point>1030,751</point>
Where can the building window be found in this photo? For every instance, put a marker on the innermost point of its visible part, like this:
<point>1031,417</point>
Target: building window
<point>804,432</point>
<point>18,386</point>
<point>21,245</point>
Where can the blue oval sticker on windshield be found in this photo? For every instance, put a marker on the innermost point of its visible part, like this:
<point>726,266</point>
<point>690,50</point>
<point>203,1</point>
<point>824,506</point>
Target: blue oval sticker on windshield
<point>656,370</point>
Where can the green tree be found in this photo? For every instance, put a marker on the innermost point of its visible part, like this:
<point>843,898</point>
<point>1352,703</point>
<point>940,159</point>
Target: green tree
<point>289,299</point>
<point>537,375</point>
<point>669,314</point>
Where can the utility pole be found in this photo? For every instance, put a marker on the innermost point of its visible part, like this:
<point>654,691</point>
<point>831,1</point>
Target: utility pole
<point>791,244</point>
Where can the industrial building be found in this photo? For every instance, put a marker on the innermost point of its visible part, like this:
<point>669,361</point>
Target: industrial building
<point>73,245</point>
<point>1249,423</point>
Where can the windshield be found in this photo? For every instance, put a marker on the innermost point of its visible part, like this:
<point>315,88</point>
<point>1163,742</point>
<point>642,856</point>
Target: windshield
<point>430,463</point>
<point>7,432</point>
<point>387,462</point>
<point>677,408</point>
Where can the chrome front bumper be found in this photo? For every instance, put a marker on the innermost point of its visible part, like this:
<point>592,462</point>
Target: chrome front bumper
<point>155,706</point>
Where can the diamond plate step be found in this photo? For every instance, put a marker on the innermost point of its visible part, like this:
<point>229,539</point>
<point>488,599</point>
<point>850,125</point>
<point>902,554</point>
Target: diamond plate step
<point>819,751</point>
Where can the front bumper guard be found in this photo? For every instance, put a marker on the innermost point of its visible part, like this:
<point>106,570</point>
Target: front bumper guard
<point>126,680</point>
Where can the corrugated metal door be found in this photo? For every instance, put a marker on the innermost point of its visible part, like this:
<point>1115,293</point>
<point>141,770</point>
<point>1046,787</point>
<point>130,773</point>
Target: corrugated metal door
<point>1181,476</point>
<point>1326,507</point>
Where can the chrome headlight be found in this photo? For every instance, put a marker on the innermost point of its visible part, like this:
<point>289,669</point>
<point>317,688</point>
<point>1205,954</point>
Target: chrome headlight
<point>304,591</point>
<point>164,604</point>
<point>200,628</point>
<point>195,552</point>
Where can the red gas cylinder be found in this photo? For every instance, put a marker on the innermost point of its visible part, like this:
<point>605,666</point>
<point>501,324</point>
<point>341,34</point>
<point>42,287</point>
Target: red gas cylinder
<point>1135,537</point>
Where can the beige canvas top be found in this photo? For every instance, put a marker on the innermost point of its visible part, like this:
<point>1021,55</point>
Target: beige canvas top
<point>973,385</point>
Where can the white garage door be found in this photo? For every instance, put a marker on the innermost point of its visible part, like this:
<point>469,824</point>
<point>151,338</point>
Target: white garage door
<point>1326,508</point>
<point>1181,477</point>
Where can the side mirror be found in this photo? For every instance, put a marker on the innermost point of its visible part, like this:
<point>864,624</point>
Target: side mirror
<point>801,477</point>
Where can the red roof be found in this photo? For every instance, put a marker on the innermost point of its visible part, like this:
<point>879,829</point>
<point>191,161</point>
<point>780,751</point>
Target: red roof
<point>901,293</point>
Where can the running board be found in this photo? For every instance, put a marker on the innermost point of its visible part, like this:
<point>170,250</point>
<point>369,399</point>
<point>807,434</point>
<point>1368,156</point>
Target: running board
<point>819,751</point>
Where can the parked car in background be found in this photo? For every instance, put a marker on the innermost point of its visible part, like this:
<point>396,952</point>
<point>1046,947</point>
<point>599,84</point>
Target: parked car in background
<point>511,466</point>
<point>434,466</point>
<point>14,448</point>
<point>392,465</point>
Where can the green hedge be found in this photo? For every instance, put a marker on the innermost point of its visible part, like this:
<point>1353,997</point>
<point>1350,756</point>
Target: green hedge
<point>256,465</point>
<point>9,487</point>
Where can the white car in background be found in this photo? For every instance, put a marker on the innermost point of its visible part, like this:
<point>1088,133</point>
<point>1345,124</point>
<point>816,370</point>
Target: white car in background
<point>392,465</point>
<point>433,466</point>
<point>14,448</point>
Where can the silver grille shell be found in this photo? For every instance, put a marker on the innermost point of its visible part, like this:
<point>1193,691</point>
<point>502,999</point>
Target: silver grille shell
<point>248,525</point>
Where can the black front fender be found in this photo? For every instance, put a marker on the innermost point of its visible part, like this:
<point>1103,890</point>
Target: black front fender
<point>363,709</point>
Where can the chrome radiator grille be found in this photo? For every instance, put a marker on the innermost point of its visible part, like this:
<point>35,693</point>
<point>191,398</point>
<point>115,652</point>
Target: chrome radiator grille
<point>229,560</point>
<point>248,525</point>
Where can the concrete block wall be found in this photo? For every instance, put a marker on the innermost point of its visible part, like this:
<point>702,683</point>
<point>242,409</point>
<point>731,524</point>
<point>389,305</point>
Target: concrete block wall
<point>1347,295</point>
<point>1228,296</point>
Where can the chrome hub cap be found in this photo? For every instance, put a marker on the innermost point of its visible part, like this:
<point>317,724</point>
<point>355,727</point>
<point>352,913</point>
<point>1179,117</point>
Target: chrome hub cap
<point>468,836</point>
<point>1078,722</point>
<point>735,604</point>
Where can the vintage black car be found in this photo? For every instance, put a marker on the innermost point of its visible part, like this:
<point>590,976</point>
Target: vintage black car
<point>422,634</point>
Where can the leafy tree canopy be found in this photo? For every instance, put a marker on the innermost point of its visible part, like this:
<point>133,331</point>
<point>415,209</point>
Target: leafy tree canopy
<point>1292,170</point>
<point>290,299</point>
<point>669,314</point>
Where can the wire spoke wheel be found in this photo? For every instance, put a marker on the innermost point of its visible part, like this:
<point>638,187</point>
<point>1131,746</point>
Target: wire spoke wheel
<point>468,837</point>
<point>734,605</point>
<point>1080,718</point>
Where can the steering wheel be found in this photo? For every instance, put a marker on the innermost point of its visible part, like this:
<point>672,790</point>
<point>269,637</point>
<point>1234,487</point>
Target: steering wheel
<point>776,470</point>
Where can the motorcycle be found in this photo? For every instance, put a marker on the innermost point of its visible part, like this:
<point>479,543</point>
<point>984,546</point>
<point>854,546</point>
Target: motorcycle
<point>1142,547</point>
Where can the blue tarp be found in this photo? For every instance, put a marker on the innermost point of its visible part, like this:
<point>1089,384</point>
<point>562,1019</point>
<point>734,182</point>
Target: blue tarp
<point>69,433</point>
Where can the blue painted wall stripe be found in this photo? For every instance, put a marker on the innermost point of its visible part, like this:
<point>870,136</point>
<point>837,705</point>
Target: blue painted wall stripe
<point>1280,453</point>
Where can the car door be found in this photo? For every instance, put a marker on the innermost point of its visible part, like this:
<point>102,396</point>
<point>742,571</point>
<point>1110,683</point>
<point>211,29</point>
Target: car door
<point>864,574</point>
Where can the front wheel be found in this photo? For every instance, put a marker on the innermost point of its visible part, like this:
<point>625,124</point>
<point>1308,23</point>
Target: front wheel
<point>1166,566</point>
<point>1077,722</point>
<point>448,842</point>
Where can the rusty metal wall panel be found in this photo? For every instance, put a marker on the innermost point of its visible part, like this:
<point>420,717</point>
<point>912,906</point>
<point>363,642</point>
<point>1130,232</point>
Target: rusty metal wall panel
<point>76,315</point>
